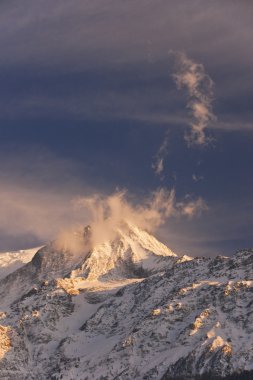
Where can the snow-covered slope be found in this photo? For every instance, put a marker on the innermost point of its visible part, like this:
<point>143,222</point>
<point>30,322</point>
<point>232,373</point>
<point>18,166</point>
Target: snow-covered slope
<point>132,253</point>
<point>129,309</point>
<point>10,261</point>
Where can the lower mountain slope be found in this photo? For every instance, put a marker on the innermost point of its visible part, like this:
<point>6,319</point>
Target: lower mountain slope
<point>127,309</point>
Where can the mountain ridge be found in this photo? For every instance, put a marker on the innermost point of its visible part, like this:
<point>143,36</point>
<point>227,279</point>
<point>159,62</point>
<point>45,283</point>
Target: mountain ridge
<point>129,309</point>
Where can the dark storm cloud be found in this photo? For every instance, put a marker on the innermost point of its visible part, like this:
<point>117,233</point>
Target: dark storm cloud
<point>64,39</point>
<point>218,233</point>
<point>90,83</point>
<point>126,30</point>
<point>91,94</point>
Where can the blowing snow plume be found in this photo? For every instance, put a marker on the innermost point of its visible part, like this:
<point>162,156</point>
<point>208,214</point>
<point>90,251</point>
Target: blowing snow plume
<point>192,76</point>
<point>108,213</point>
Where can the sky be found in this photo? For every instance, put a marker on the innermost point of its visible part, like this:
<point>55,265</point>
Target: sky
<point>105,96</point>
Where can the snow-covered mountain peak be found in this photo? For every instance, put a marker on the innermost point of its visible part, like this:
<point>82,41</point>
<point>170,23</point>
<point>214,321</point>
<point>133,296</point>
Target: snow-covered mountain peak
<point>13,260</point>
<point>131,253</point>
<point>145,239</point>
<point>126,308</point>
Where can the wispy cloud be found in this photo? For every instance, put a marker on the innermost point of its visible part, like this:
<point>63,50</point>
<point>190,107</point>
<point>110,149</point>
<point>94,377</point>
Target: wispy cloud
<point>192,76</point>
<point>35,196</point>
<point>193,207</point>
<point>197,178</point>
<point>37,214</point>
<point>31,212</point>
<point>106,213</point>
<point>158,164</point>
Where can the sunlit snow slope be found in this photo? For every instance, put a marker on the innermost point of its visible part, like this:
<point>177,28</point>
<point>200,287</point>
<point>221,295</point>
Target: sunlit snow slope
<point>128,308</point>
<point>10,261</point>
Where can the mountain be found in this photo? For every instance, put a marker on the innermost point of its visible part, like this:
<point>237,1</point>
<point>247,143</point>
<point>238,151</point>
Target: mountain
<point>128,308</point>
<point>10,261</point>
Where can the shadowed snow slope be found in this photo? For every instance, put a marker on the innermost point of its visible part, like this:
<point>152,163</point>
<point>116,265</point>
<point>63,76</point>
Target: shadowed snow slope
<point>127,309</point>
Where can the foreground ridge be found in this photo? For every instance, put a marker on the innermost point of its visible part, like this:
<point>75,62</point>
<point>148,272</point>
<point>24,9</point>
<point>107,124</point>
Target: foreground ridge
<point>129,308</point>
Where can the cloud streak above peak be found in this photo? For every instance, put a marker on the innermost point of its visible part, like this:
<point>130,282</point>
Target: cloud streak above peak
<point>191,76</point>
<point>108,212</point>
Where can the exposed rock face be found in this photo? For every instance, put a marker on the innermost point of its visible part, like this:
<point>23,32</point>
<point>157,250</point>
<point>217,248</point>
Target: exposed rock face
<point>5,342</point>
<point>129,309</point>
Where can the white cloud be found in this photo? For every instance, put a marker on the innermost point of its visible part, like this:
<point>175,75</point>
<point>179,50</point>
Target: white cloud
<point>199,86</point>
<point>106,213</point>
<point>192,76</point>
<point>193,207</point>
<point>45,215</point>
<point>158,164</point>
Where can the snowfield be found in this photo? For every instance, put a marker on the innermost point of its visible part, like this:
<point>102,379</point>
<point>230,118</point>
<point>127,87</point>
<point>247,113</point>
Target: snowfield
<point>10,261</point>
<point>129,309</point>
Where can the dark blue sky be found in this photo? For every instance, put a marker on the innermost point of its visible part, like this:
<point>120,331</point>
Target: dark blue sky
<point>87,98</point>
